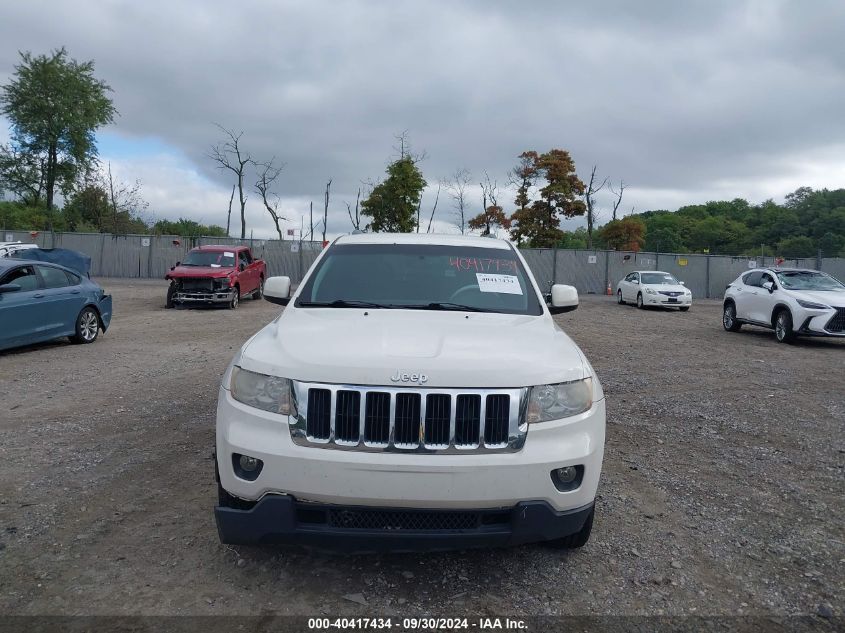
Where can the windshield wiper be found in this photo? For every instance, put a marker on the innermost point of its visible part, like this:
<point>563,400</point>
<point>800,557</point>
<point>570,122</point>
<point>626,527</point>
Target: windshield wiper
<point>342,303</point>
<point>446,305</point>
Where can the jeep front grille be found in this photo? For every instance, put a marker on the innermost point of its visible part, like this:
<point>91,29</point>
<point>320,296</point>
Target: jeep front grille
<point>426,420</point>
<point>837,322</point>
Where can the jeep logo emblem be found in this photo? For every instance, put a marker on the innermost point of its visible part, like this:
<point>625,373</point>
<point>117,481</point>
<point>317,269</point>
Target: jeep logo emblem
<point>401,376</point>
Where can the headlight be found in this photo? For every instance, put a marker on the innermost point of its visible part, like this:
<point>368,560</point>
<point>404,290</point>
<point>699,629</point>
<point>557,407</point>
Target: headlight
<point>650,291</point>
<point>552,402</point>
<point>811,306</point>
<point>262,392</point>
<point>223,282</point>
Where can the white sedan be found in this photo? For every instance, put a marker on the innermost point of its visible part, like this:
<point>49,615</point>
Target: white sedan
<point>653,288</point>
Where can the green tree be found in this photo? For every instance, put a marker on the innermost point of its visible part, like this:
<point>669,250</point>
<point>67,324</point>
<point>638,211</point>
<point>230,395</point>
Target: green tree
<point>54,104</point>
<point>574,239</point>
<point>393,203</point>
<point>799,246</point>
<point>188,228</point>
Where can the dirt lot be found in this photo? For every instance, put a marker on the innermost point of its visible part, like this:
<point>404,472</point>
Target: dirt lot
<point>722,491</point>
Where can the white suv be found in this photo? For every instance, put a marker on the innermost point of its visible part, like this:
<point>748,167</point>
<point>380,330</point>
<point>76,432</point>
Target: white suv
<point>791,301</point>
<point>415,394</point>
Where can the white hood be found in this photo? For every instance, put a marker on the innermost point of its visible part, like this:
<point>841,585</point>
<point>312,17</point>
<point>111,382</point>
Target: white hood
<point>453,349</point>
<point>834,298</point>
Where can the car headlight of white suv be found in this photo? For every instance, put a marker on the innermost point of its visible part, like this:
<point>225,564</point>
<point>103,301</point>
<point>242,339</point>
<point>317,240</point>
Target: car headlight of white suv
<point>811,305</point>
<point>561,400</point>
<point>650,291</point>
<point>269,393</point>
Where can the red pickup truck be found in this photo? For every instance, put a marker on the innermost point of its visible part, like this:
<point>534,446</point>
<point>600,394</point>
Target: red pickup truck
<point>216,275</point>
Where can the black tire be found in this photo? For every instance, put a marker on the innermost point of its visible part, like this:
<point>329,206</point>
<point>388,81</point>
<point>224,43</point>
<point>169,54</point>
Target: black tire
<point>87,326</point>
<point>729,321</point>
<point>640,304</point>
<point>619,298</point>
<point>684,309</point>
<point>783,326</point>
<point>236,298</point>
<point>169,302</point>
<point>258,293</point>
<point>579,539</point>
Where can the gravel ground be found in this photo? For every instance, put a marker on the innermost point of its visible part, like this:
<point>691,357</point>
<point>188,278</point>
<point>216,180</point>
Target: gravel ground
<point>722,490</point>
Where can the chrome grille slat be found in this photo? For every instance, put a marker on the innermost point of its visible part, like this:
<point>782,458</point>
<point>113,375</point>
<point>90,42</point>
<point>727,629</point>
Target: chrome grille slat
<point>407,419</point>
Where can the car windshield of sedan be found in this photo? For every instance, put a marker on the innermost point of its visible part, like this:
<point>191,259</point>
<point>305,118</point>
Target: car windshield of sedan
<point>420,277</point>
<point>663,279</point>
<point>214,259</point>
<point>808,280</point>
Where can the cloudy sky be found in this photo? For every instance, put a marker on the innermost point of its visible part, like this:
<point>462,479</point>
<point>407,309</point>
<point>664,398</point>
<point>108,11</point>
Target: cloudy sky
<point>684,101</point>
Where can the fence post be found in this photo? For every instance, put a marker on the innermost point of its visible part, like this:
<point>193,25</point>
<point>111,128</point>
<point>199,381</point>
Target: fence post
<point>299,273</point>
<point>819,260</point>
<point>102,249</point>
<point>606,269</point>
<point>707,276</point>
<point>150,259</point>
<point>554,267</point>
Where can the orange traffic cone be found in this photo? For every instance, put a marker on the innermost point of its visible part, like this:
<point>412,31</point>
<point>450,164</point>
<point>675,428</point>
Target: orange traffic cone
<point>609,291</point>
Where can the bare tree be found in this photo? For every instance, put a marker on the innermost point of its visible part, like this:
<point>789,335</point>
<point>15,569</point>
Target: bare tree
<point>267,176</point>
<point>229,215</point>
<point>618,195</point>
<point>433,209</point>
<point>231,156</point>
<point>123,198</point>
<point>326,209</point>
<point>356,220</point>
<point>457,185</point>
<point>592,188</point>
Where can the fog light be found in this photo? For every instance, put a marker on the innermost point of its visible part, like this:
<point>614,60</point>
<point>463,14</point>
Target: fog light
<point>567,478</point>
<point>248,463</point>
<point>565,475</point>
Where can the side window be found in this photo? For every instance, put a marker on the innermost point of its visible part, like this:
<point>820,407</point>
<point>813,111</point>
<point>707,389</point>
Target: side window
<point>73,280</point>
<point>629,277</point>
<point>24,277</point>
<point>753,279</point>
<point>767,277</point>
<point>53,277</point>
<point>635,276</point>
<point>246,257</point>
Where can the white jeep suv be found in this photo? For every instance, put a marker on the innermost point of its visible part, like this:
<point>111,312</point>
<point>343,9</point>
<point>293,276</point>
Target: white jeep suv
<point>415,394</point>
<point>793,302</point>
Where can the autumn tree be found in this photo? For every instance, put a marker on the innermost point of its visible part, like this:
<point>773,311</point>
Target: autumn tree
<point>627,234</point>
<point>493,216</point>
<point>54,104</point>
<point>539,224</point>
<point>392,204</point>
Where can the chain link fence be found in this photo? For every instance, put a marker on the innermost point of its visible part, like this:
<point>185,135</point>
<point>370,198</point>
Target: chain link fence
<point>591,272</point>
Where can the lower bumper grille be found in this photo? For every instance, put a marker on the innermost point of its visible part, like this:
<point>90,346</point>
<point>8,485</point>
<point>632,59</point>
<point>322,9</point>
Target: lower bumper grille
<point>837,322</point>
<point>398,520</point>
<point>426,420</point>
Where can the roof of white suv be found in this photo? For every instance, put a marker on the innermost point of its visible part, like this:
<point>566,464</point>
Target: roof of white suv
<point>423,238</point>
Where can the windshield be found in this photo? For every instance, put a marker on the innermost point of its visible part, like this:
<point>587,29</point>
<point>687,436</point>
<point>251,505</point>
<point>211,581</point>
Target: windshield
<point>215,259</point>
<point>421,276</point>
<point>659,279</point>
<point>808,280</point>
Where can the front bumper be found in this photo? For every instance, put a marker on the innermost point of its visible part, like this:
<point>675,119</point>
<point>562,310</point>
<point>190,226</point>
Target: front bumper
<point>281,519</point>
<point>663,300</point>
<point>409,480</point>
<point>819,322</point>
<point>218,296</point>
<point>104,306</point>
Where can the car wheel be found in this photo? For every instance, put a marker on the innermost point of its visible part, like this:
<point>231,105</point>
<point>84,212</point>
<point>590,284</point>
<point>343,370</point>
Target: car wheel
<point>579,539</point>
<point>236,298</point>
<point>783,327</point>
<point>640,301</point>
<point>87,326</point>
<point>619,298</point>
<point>729,321</point>
<point>170,291</point>
<point>684,309</point>
<point>259,292</point>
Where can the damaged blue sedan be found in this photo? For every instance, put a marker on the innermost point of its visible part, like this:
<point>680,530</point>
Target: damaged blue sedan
<point>41,301</point>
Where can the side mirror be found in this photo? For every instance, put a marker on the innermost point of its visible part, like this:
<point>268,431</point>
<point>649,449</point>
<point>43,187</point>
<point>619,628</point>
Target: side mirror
<point>277,290</point>
<point>175,265</point>
<point>635,281</point>
<point>563,299</point>
<point>10,288</point>
<point>768,285</point>
<point>242,267</point>
<point>683,283</point>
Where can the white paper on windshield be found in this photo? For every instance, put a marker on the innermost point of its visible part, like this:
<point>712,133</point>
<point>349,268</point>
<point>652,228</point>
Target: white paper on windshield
<point>228,254</point>
<point>215,265</point>
<point>504,284</point>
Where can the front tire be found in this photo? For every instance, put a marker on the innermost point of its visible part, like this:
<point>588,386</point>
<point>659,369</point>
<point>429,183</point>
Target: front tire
<point>258,293</point>
<point>729,321</point>
<point>579,539</point>
<point>783,327</point>
<point>87,326</point>
<point>170,292</point>
<point>640,301</point>
<point>619,298</point>
<point>236,298</point>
